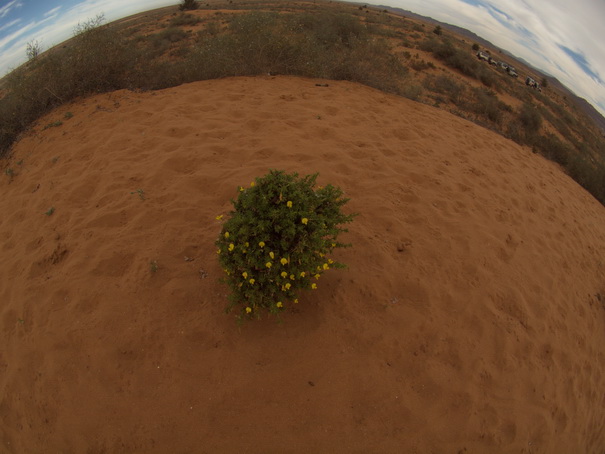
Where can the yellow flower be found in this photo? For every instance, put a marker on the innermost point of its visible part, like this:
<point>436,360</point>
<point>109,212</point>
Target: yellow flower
<point>283,261</point>
<point>333,244</point>
<point>231,247</point>
<point>292,277</point>
<point>284,274</point>
<point>318,268</point>
<point>326,266</point>
<point>289,204</point>
<point>248,310</point>
<point>330,261</point>
<point>304,221</point>
<point>218,251</point>
<point>219,217</point>
<point>288,285</point>
<point>272,255</point>
<point>252,183</point>
<point>279,304</point>
<point>245,275</point>
<point>252,281</point>
<point>303,274</point>
<point>261,244</point>
<point>316,276</point>
<point>241,189</point>
<point>247,244</point>
<point>296,301</point>
<point>314,286</point>
<point>268,264</point>
<point>226,234</point>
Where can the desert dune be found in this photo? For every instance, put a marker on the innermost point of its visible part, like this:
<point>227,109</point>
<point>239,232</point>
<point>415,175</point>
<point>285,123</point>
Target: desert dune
<point>471,318</point>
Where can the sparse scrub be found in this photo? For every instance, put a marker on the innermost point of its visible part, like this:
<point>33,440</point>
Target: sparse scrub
<point>446,86</point>
<point>184,19</point>
<point>458,59</point>
<point>420,65</point>
<point>551,147</point>
<point>278,240</point>
<point>530,118</point>
<point>525,128</point>
<point>411,91</point>
<point>167,37</point>
<point>333,46</point>
<point>590,175</point>
<point>486,104</point>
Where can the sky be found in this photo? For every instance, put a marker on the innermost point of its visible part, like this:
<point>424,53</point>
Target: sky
<point>564,38</point>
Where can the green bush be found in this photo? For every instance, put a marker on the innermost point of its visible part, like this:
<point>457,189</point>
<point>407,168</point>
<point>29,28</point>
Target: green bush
<point>530,118</point>
<point>278,240</point>
<point>188,5</point>
<point>486,104</point>
<point>446,86</point>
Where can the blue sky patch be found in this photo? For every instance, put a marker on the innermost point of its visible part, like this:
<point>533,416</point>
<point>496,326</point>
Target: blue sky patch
<point>581,61</point>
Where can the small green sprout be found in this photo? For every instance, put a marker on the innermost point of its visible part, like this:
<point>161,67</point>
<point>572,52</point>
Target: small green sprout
<point>140,192</point>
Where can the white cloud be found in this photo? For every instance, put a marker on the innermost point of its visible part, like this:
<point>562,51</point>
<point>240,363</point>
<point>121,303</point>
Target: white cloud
<point>10,24</point>
<point>8,39</point>
<point>52,12</point>
<point>10,5</point>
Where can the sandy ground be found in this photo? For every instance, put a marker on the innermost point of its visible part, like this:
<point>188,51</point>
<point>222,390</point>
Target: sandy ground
<point>471,318</point>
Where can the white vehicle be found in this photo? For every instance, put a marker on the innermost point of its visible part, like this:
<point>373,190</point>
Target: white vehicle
<point>483,56</point>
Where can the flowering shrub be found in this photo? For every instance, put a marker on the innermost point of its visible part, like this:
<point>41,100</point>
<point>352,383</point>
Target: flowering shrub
<point>278,240</point>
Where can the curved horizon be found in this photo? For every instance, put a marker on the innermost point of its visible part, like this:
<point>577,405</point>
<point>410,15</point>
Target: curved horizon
<point>554,38</point>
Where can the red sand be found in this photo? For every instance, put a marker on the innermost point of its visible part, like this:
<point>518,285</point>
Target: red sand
<point>471,318</point>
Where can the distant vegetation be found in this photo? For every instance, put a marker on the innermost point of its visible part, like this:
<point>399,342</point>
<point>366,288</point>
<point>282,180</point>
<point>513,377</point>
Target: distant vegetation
<point>332,41</point>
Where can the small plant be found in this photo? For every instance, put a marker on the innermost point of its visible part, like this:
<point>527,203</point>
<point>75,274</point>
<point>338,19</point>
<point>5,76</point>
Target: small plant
<point>437,30</point>
<point>54,124</point>
<point>153,266</point>
<point>278,241</point>
<point>33,49</point>
<point>68,115</point>
<point>50,211</point>
<point>140,192</point>
<point>9,173</point>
